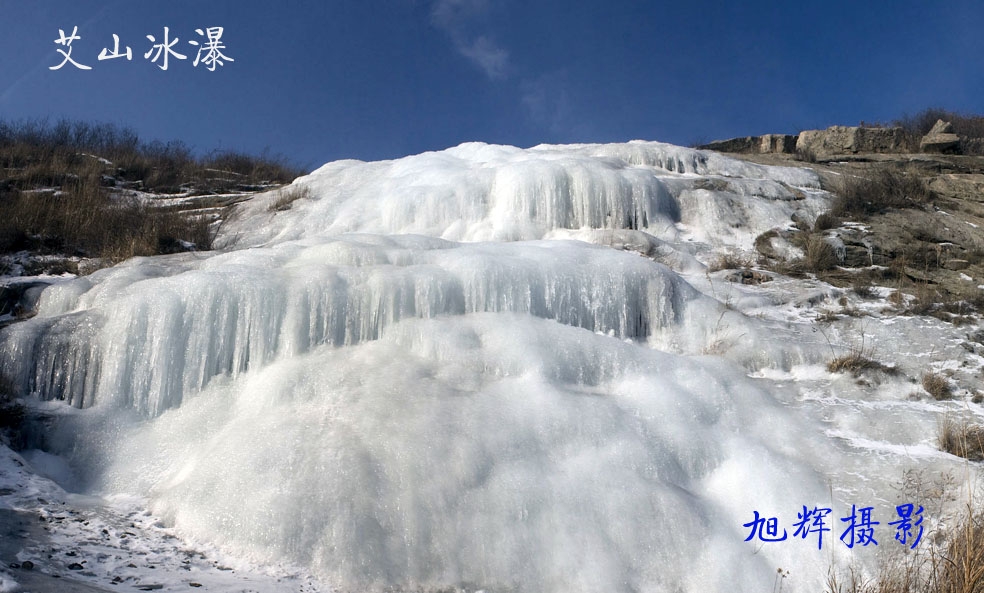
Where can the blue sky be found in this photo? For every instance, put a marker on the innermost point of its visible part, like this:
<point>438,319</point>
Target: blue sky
<point>319,81</point>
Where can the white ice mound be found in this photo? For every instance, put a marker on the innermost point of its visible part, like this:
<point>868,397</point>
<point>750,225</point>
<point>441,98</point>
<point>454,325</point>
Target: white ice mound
<point>486,451</point>
<point>481,192</point>
<point>148,333</point>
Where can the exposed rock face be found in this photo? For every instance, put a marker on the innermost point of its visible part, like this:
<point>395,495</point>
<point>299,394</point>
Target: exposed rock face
<point>837,140</point>
<point>777,143</point>
<point>766,144</point>
<point>940,139</point>
<point>20,298</point>
<point>744,144</point>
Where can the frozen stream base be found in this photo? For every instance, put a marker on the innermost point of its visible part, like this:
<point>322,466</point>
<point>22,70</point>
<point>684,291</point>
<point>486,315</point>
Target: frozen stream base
<point>55,542</point>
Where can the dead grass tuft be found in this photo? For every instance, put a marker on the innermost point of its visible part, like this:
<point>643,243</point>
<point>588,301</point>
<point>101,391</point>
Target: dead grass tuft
<point>820,255</point>
<point>961,438</point>
<point>824,222</point>
<point>287,196</point>
<point>937,386</point>
<point>856,363</point>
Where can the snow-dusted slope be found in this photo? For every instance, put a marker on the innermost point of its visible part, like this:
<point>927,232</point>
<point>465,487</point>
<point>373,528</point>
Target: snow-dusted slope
<point>485,368</point>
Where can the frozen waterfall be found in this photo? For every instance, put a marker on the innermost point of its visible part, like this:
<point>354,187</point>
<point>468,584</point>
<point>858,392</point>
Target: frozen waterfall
<point>476,368</point>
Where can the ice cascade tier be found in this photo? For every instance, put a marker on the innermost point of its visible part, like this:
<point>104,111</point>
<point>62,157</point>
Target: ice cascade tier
<point>478,192</point>
<point>147,333</point>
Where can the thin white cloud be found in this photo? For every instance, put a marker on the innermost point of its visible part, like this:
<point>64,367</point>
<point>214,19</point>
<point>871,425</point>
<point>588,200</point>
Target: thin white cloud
<point>458,19</point>
<point>492,59</point>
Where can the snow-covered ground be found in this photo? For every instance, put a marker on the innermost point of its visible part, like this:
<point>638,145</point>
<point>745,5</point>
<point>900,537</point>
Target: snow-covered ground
<point>481,368</point>
<point>53,540</point>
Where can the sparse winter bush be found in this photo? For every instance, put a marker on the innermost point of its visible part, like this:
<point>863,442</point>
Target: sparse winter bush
<point>825,222</point>
<point>87,221</point>
<point>886,188</point>
<point>806,155</point>
<point>971,126</point>
<point>820,255</point>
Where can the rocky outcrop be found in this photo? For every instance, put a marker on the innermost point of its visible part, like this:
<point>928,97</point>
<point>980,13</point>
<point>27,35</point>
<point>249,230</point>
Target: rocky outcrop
<point>777,144</point>
<point>940,139</point>
<point>766,144</point>
<point>842,140</point>
<point>19,299</point>
<point>742,145</point>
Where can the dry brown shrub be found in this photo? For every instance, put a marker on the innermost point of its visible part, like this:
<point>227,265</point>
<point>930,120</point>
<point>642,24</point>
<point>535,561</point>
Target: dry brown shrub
<point>961,438</point>
<point>729,261</point>
<point>820,255</point>
<point>856,363</point>
<point>937,386</point>
<point>880,190</point>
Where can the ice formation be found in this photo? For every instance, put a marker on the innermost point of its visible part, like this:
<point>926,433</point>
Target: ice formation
<point>473,368</point>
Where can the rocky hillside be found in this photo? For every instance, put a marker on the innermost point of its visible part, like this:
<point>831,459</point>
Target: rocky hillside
<point>908,220</point>
<point>78,196</point>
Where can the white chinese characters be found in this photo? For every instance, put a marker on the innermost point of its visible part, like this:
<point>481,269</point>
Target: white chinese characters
<point>214,55</point>
<point>67,42</point>
<point>210,50</point>
<point>164,47</point>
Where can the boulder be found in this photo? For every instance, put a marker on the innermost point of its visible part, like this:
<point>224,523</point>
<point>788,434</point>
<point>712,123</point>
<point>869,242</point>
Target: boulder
<point>940,143</point>
<point>956,264</point>
<point>940,138</point>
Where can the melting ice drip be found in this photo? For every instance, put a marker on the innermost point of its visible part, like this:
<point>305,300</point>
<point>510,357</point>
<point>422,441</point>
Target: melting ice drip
<point>416,379</point>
